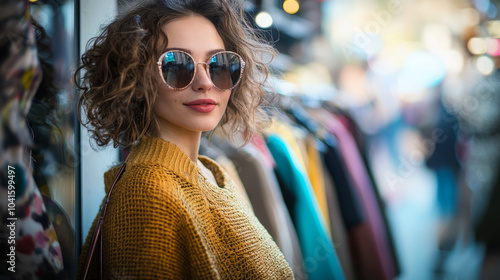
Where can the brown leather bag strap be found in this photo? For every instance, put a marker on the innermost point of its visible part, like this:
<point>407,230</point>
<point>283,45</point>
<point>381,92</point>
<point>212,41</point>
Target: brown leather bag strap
<point>98,229</point>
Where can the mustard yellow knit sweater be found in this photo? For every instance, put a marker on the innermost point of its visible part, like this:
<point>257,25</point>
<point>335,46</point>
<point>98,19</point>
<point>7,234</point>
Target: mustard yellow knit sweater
<point>166,221</point>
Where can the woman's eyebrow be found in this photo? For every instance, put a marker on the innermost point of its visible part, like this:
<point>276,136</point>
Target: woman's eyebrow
<point>208,53</point>
<point>214,51</point>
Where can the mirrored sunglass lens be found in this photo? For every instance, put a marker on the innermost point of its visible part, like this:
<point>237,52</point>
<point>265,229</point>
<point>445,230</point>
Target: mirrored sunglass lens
<point>225,70</point>
<point>177,69</point>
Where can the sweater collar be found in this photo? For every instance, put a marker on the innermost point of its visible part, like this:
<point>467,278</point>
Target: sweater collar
<point>153,150</point>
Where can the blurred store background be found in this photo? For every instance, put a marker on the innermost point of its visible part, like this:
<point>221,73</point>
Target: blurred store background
<point>419,78</point>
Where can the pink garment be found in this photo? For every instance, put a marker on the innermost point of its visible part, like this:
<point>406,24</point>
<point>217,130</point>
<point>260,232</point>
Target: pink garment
<point>259,142</point>
<point>369,241</point>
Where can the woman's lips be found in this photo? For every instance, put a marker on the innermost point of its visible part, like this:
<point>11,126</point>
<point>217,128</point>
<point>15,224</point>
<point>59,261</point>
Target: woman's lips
<point>202,105</point>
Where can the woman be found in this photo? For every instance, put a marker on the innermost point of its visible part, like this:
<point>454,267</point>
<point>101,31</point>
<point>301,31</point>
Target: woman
<point>155,79</point>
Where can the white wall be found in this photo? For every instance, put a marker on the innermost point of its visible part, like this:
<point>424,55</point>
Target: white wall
<point>93,13</point>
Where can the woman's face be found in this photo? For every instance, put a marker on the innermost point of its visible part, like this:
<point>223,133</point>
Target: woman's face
<point>177,110</point>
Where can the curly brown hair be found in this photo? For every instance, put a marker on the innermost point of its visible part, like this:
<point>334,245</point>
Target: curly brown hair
<point>119,93</point>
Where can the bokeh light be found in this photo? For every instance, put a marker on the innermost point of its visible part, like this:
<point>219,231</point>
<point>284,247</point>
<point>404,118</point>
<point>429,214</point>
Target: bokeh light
<point>493,47</point>
<point>477,45</point>
<point>291,6</point>
<point>485,65</point>
<point>264,20</point>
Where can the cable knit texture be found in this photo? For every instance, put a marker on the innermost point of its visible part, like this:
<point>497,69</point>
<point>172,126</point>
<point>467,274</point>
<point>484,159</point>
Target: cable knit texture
<point>166,221</point>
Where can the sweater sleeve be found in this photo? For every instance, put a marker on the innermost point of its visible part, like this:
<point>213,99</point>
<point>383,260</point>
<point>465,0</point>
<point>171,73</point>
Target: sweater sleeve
<point>148,232</point>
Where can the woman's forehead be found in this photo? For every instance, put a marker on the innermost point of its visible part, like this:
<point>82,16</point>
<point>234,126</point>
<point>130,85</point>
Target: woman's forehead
<point>194,33</point>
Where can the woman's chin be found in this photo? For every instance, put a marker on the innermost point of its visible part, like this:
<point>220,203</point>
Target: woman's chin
<point>203,128</point>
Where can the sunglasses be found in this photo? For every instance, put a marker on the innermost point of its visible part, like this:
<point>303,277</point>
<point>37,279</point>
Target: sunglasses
<point>178,69</point>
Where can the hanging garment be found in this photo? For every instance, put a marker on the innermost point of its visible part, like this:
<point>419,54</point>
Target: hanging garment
<point>295,137</point>
<point>352,126</point>
<point>260,143</point>
<point>320,258</point>
<point>369,239</point>
<point>350,206</point>
<point>269,207</point>
<point>324,114</point>
<point>315,173</point>
<point>339,232</point>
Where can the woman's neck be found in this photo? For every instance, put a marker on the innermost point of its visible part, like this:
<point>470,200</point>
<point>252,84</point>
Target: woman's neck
<point>187,141</point>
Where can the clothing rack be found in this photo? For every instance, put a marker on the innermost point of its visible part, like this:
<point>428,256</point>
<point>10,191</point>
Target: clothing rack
<point>310,184</point>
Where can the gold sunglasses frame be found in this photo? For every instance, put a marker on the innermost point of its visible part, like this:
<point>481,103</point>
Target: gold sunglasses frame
<point>242,68</point>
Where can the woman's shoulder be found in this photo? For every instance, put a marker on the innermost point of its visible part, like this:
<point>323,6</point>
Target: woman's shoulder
<point>144,178</point>
<point>146,189</point>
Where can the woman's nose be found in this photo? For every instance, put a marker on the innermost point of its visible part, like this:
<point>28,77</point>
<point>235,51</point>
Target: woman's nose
<point>202,81</point>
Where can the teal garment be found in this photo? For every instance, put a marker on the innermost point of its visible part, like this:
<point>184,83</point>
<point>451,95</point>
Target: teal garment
<point>319,254</point>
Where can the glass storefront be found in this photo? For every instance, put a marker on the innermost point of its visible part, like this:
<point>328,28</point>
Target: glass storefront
<point>64,157</point>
